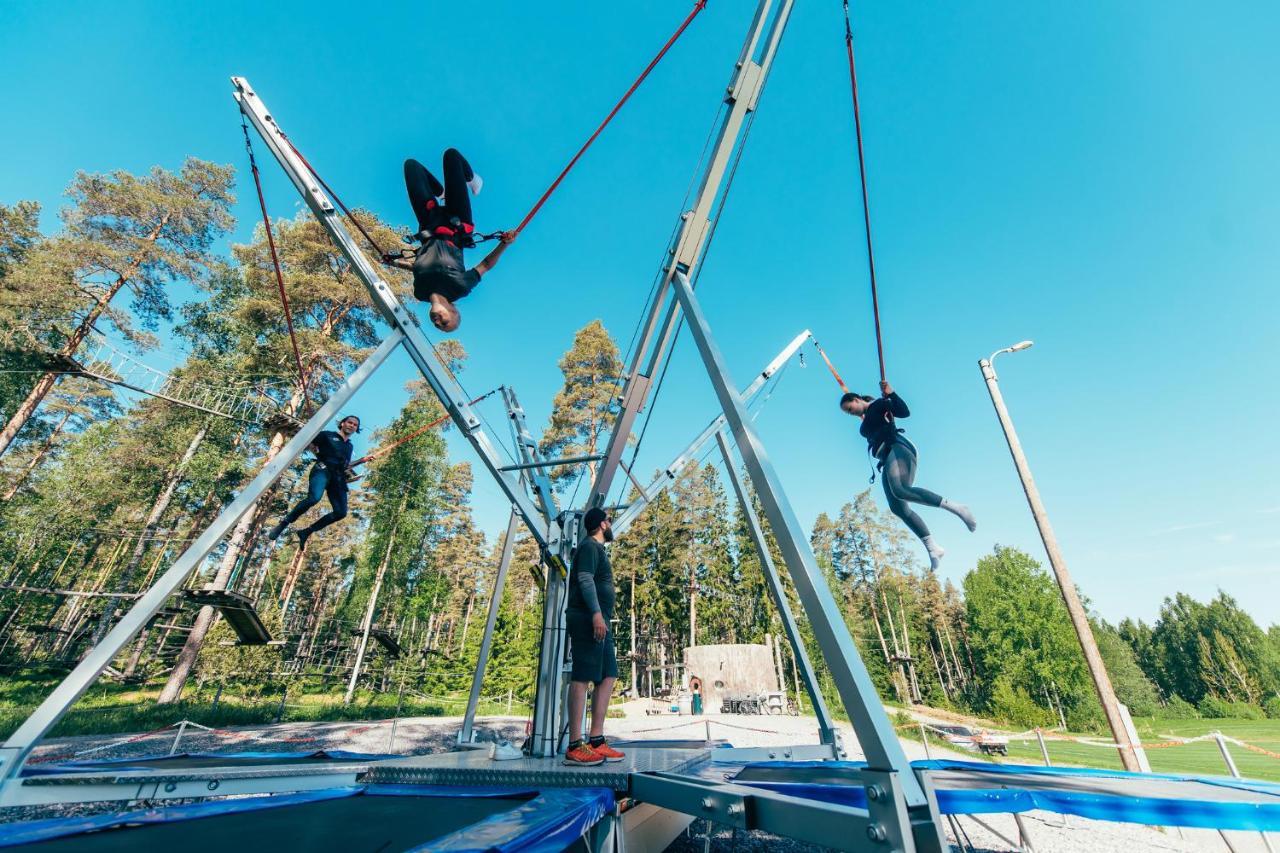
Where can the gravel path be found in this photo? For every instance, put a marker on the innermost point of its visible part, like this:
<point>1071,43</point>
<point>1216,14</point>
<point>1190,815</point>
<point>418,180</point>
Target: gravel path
<point>1049,833</point>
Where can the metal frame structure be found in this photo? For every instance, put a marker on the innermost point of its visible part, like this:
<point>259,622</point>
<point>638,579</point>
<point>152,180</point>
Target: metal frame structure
<point>404,331</point>
<point>901,813</point>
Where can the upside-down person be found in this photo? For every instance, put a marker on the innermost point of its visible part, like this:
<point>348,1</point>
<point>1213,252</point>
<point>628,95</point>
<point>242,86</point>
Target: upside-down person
<point>897,461</point>
<point>328,477</point>
<point>445,228</point>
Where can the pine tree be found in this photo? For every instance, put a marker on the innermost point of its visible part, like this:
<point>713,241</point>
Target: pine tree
<point>586,406</point>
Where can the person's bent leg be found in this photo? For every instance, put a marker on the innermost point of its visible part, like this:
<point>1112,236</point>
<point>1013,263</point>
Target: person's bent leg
<point>423,189</point>
<point>315,491</point>
<point>904,488</point>
<point>457,198</point>
<point>907,490</point>
<point>336,489</point>
<point>894,472</point>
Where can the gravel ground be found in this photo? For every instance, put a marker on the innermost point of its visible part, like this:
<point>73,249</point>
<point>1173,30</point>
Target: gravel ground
<point>1048,833</point>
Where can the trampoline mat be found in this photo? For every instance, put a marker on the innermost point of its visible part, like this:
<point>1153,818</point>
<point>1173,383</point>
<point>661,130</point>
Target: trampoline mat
<point>351,824</point>
<point>200,761</point>
<point>976,788</point>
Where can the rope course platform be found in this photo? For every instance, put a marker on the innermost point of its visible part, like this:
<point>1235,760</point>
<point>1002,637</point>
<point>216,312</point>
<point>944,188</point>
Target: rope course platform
<point>385,639</point>
<point>237,609</point>
<point>239,401</point>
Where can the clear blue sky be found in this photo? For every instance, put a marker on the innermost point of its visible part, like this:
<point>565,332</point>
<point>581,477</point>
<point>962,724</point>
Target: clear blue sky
<point>1100,177</point>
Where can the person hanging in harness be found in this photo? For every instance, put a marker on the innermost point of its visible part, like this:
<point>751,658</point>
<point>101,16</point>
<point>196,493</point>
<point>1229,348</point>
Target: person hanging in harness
<point>897,461</point>
<point>328,476</point>
<point>445,228</point>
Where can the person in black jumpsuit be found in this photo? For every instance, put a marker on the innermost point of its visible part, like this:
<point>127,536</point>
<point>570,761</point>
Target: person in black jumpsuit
<point>328,477</point>
<point>897,461</point>
<point>445,228</point>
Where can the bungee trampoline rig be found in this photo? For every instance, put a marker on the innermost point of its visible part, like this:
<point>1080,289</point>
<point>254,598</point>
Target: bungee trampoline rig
<point>463,800</point>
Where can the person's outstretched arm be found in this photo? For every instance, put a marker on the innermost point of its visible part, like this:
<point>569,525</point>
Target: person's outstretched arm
<point>896,406</point>
<point>491,260</point>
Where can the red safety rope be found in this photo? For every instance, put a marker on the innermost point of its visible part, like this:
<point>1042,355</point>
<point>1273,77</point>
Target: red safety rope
<point>382,451</point>
<point>350,216</point>
<point>697,7</point>
<point>862,171</point>
<point>830,366</point>
<point>275,261</point>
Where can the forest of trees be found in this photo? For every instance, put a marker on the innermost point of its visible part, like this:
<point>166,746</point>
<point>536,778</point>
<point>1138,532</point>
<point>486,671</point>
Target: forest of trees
<point>101,490</point>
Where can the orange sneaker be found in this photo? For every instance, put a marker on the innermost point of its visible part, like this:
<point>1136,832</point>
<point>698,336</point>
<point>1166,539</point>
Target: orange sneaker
<point>583,755</point>
<point>607,752</point>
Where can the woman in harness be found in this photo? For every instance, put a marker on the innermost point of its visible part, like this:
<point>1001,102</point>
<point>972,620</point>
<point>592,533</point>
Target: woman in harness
<point>445,228</point>
<point>897,460</point>
<point>328,477</point>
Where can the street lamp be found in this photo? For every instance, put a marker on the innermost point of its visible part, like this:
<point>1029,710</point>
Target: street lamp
<point>1079,620</point>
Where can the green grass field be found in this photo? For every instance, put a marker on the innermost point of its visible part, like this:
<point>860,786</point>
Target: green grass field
<point>1198,758</point>
<point>115,709</point>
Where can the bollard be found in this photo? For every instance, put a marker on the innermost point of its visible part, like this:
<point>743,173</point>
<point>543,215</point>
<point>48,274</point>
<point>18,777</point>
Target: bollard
<point>1044,750</point>
<point>924,738</point>
<point>1235,774</point>
<point>182,728</point>
<point>395,723</point>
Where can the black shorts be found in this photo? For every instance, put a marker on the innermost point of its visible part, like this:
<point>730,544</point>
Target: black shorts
<point>592,661</point>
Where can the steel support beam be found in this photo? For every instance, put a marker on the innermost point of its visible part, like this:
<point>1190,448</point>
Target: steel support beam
<point>18,747</point>
<point>486,643</point>
<point>741,95</point>
<point>857,691</point>
<point>388,305</point>
<point>827,732</point>
<point>672,472</point>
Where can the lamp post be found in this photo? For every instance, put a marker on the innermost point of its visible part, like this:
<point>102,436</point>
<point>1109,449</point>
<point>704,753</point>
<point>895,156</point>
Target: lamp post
<point>1079,620</point>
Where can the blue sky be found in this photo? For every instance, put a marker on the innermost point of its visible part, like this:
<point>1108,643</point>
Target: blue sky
<point>1099,177</point>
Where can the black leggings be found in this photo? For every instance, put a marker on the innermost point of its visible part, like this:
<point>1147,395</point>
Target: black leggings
<point>424,189</point>
<point>898,477</point>
<point>323,481</point>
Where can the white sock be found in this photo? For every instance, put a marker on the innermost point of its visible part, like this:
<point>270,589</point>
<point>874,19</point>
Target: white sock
<point>961,512</point>
<point>936,553</point>
<point>475,183</point>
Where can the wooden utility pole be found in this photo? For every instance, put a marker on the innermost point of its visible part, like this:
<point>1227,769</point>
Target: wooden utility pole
<point>1079,619</point>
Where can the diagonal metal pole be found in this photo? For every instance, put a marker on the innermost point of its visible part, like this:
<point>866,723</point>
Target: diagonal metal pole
<point>857,691</point>
<point>826,728</point>
<point>19,745</point>
<point>388,305</point>
<point>741,96</point>
<point>486,643</point>
<point>672,472</point>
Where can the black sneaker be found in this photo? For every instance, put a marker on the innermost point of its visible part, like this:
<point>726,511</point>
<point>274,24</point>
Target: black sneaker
<point>274,533</point>
<point>303,535</point>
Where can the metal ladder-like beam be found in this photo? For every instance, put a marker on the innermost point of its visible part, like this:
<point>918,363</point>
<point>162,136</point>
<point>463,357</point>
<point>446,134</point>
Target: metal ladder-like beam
<point>741,95</point>
<point>15,751</point>
<point>396,315</point>
<point>894,792</point>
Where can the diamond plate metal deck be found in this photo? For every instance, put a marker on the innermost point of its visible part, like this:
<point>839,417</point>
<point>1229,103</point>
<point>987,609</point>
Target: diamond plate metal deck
<point>476,768</point>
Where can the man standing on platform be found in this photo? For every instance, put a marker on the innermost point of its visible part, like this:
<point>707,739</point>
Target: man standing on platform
<point>590,610</point>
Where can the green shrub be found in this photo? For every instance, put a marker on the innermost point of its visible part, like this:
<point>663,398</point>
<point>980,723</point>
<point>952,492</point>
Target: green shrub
<point>1013,705</point>
<point>1212,706</point>
<point>1178,708</point>
<point>1271,707</point>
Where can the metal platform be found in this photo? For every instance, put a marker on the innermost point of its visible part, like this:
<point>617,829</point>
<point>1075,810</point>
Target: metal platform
<point>474,767</point>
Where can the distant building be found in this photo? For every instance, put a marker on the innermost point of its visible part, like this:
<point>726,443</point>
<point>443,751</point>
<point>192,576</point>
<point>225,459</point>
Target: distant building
<point>727,669</point>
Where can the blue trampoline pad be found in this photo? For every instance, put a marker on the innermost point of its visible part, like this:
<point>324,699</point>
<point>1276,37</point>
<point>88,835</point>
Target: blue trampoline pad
<point>971,787</point>
<point>359,818</point>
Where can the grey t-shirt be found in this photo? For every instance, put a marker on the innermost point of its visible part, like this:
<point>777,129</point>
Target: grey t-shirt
<point>591,580</point>
<point>439,268</point>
